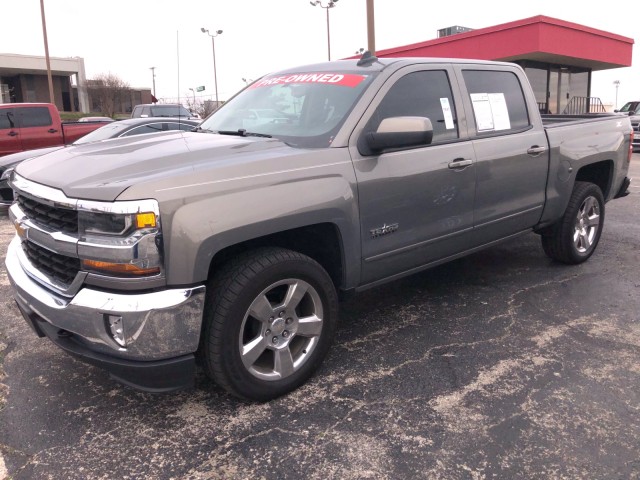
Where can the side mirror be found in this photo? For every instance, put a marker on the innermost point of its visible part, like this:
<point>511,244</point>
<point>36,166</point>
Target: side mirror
<point>398,132</point>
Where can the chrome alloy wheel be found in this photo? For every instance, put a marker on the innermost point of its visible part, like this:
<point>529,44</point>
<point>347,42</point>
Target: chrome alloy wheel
<point>587,224</point>
<point>280,329</point>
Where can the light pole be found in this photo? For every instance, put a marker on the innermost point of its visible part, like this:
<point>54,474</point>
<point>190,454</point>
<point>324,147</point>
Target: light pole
<point>329,5</point>
<point>153,77</point>
<point>46,52</point>
<point>213,48</point>
<point>617,84</point>
<point>194,96</point>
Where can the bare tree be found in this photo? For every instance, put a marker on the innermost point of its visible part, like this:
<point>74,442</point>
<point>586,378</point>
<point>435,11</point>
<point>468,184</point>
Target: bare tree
<point>107,91</point>
<point>196,105</point>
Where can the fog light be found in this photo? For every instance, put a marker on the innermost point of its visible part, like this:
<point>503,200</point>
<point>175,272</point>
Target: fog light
<point>116,329</point>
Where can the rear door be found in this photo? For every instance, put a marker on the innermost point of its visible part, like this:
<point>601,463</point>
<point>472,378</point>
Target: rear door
<point>511,152</point>
<point>36,127</point>
<point>416,203</point>
<point>9,132</point>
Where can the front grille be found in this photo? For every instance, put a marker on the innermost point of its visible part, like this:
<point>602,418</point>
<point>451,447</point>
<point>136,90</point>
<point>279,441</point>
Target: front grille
<point>56,218</point>
<point>56,266</point>
<point>636,126</point>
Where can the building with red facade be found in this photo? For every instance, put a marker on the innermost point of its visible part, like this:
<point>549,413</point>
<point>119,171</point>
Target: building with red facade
<point>559,57</point>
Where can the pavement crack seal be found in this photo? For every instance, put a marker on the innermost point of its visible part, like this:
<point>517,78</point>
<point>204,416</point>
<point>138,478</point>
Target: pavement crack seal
<point>4,389</point>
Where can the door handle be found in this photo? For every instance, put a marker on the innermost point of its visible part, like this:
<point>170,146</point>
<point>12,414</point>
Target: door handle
<point>52,130</point>
<point>536,150</point>
<point>12,133</point>
<point>460,163</point>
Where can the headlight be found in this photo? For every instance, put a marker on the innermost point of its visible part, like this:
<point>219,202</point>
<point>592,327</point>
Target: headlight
<point>120,238</point>
<point>110,224</point>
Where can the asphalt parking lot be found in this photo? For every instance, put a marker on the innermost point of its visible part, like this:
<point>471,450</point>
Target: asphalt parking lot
<point>499,365</point>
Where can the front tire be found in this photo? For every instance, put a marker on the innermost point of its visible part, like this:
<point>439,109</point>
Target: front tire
<point>269,320</point>
<point>575,237</point>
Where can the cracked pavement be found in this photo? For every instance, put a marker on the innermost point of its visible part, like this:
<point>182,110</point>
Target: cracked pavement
<point>503,364</point>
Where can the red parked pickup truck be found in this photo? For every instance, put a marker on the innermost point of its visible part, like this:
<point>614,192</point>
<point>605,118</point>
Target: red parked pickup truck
<point>25,126</point>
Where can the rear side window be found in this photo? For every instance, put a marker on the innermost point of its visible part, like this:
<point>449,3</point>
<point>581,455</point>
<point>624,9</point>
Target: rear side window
<point>421,94</point>
<point>180,126</point>
<point>34,117</point>
<point>497,100</point>
<point>151,128</point>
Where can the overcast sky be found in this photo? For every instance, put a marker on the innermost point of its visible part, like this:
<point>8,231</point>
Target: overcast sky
<point>259,36</point>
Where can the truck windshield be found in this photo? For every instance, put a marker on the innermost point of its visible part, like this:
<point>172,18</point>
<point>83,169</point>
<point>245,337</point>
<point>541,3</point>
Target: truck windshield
<point>303,109</point>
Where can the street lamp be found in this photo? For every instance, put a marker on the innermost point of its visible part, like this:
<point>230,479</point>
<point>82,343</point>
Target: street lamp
<point>194,96</point>
<point>617,84</point>
<point>153,76</point>
<point>213,48</point>
<point>329,5</point>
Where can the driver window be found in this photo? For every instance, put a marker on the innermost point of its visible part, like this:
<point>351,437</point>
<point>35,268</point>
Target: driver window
<point>421,94</point>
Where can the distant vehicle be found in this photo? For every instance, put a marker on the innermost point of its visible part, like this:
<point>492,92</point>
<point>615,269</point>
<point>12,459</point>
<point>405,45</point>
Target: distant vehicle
<point>95,119</point>
<point>121,128</point>
<point>161,110</point>
<point>633,110</point>
<point>25,126</point>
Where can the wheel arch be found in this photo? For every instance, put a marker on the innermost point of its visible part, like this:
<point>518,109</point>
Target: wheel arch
<point>598,173</point>
<point>323,242</point>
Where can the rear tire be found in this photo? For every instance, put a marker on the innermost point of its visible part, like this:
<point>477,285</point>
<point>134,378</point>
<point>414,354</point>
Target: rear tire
<point>270,316</point>
<point>575,237</point>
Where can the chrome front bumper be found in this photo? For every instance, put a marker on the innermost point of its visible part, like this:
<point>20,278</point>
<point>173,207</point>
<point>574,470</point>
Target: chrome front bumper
<point>157,325</point>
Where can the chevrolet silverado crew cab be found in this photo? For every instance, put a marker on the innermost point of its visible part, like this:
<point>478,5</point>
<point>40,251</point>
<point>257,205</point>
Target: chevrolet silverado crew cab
<point>26,126</point>
<point>228,247</point>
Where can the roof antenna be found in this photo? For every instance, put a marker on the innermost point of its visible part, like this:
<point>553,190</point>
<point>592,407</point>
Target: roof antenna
<point>367,59</point>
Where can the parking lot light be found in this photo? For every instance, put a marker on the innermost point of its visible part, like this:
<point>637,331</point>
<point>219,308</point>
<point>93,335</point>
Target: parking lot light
<point>213,48</point>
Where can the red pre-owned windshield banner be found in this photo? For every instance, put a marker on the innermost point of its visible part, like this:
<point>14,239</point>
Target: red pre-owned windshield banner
<point>342,79</point>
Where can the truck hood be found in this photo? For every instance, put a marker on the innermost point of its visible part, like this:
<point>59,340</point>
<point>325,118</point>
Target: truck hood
<point>104,170</point>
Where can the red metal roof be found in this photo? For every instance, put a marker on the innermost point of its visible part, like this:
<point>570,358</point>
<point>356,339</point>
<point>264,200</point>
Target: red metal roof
<point>539,38</point>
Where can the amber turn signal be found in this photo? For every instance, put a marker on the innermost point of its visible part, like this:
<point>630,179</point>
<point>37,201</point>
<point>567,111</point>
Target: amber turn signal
<point>119,268</point>
<point>145,220</point>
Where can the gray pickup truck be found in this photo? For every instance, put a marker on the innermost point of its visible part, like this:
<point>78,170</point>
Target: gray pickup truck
<point>228,247</point>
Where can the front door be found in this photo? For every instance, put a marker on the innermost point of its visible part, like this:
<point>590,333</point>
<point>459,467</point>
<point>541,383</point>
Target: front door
<point>9,132</point>
<point>416,204</point>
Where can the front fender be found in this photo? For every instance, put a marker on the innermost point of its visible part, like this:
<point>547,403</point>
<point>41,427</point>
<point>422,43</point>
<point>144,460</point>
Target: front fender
<point>196,231</point>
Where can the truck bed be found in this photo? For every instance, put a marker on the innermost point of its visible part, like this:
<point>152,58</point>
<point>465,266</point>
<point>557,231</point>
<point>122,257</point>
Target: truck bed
<point>549,120</point>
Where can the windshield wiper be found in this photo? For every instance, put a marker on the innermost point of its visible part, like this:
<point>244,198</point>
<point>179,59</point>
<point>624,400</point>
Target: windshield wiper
<point>241,132</point>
